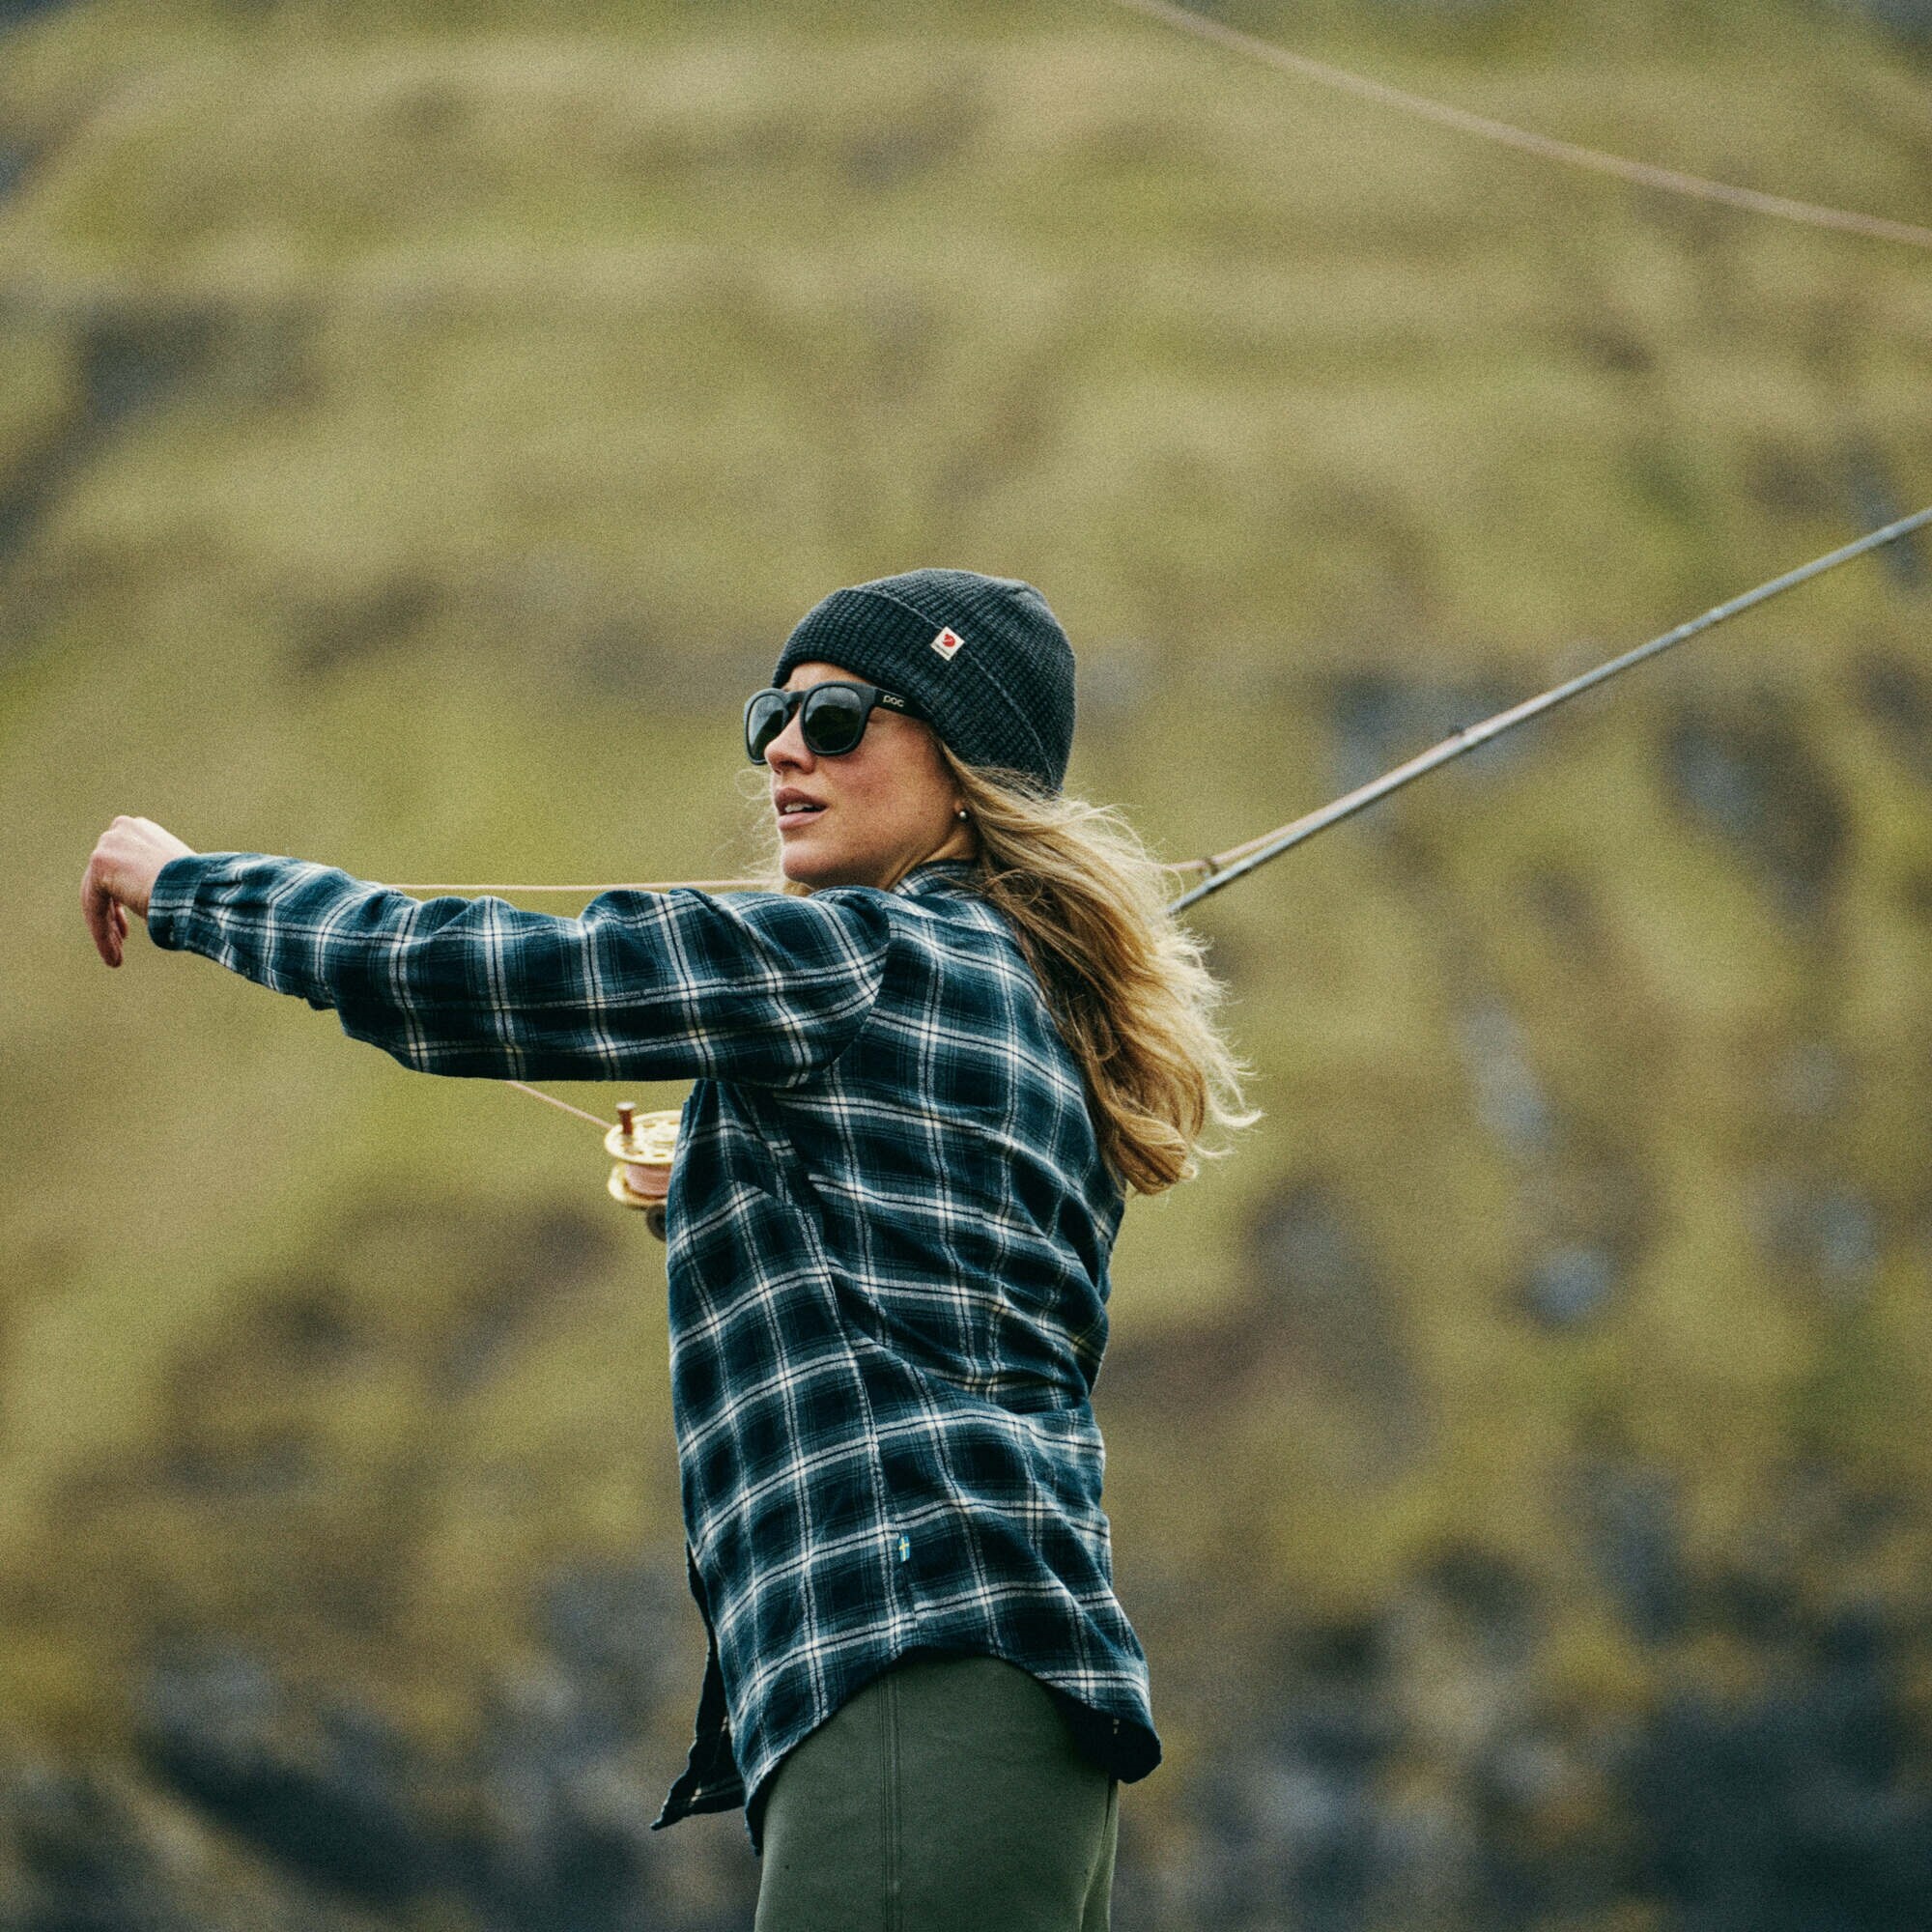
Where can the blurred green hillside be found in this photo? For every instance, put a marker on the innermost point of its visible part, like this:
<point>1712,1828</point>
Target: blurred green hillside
<point>419,426</point>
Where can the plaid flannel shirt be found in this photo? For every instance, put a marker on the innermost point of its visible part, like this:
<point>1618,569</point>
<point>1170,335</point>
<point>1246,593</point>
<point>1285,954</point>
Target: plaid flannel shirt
<point>889,1233</point>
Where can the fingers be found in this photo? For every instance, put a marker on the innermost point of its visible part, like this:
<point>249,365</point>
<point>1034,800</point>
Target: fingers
<point>97,907</point>
<point>101,896</point>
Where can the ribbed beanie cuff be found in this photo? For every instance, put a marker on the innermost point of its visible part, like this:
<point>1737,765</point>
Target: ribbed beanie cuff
<point>982,657</point>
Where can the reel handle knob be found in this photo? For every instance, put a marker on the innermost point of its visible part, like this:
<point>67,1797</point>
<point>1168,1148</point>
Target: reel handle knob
<point>642,1149</point>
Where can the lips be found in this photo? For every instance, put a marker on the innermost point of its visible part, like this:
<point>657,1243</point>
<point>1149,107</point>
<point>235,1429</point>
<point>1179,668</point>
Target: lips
<point>794,806</point>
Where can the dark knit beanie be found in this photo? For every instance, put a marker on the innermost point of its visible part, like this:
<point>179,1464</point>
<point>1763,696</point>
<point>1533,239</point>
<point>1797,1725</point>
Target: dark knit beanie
<point>981,657</point>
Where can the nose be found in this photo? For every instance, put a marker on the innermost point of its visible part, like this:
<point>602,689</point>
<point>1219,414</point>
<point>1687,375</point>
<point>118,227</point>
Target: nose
<point>788,750</point>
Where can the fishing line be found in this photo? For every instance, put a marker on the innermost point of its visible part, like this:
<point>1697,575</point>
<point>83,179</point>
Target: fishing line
<point>642,1145</point>
<point>1672,181</point>
<point>655,885</point>
<point>537,1091</point>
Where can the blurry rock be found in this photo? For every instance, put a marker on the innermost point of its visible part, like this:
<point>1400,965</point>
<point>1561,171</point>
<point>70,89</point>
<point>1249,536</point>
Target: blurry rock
<point>1608,342</point>
<point>543,1822</point>
<point>1753,776</point>
<point>1195,1373</point>
<point>1831,1235</point>
<point>14,10</point>
<point>1326,1313</point>
<point>1793,1810</point>
<point>1563,899</point>
<point>1784,475</point>
<point>573,1756</point>
<point>1510,1100</point>
<point>1289,1814</point>
<point>1491,1603</point>
<point>1568,1287</point>
<point>1629,1518</point>
<point>346,632</point>
<point>271,1463</point>
<point>1755,1604</point>
<point>1598,1194</point>
<point>1316,1313</point>
<point>623,1627</point>
<point>133,360</point>
<point>565,1819</point>
<point>431,109</point>
<point>1898,695</point>
<point>1812,1079</point>
<point>1550,1838</point>
<point>1910,19</point>
<point>91,1850</point>
<point>130,361</point>
<point>1511,1797</point>
<point>78,1848</point>
<point>1427,1857</point>
<point>1844,1233</point>
<point>324,1784</point>
<point>927,137</point>
<point>535,1258</point>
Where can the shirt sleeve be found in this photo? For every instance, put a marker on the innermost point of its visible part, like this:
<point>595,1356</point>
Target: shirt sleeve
<point>757,986</point>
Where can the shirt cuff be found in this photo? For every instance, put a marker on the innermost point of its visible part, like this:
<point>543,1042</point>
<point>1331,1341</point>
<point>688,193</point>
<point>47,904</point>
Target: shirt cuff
<point>171,899</point>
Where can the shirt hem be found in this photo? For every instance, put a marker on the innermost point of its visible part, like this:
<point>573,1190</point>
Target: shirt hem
<point>1118,1743</point>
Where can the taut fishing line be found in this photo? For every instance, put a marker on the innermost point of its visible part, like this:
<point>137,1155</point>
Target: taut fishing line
<point>1672,181</point>
<point>642,1145</point>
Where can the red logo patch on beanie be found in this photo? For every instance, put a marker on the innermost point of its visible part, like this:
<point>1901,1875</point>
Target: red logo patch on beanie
<point>947,642</point>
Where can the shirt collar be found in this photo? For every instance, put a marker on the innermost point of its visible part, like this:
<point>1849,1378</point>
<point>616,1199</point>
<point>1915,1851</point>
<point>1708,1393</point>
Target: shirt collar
<point>935,875</point>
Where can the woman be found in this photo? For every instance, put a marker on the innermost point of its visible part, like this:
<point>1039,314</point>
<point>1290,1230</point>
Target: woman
<point>928,1067</point>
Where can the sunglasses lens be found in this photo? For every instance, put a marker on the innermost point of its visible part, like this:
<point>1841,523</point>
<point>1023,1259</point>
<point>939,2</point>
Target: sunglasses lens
<point>764,719</point>
<point>834,720</point>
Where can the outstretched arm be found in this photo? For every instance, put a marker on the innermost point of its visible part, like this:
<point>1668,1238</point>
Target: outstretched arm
<point>759,987</point>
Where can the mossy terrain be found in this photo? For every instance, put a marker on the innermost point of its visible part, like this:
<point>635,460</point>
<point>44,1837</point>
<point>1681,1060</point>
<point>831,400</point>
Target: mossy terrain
<point>420,424</point>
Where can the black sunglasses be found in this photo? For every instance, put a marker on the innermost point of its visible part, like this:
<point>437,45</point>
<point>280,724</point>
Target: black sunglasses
<point>832,716</point>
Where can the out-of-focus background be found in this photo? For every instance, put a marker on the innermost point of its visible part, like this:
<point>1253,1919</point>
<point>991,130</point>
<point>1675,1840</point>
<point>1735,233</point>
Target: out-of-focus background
<point>420,420</point>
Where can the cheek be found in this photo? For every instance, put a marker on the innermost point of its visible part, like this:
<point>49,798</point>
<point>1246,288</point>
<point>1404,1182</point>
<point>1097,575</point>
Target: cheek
<point>889,813</point>
<point>900,794</point>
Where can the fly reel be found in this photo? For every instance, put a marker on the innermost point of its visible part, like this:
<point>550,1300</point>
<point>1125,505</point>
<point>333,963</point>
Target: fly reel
<point>643,1146</point>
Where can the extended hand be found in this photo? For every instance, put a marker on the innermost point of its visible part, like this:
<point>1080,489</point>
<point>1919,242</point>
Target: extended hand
<point>120,874</point>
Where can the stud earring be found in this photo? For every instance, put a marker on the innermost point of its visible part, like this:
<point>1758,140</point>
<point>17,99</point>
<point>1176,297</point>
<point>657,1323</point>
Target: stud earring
<point>960,813</point>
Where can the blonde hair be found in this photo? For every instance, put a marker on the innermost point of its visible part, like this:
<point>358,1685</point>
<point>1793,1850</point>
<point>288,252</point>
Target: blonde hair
<point>1133,997</point>
<point>1126,985</point>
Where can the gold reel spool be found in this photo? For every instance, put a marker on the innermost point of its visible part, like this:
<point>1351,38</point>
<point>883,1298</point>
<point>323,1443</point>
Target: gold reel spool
<point>643,1146</point>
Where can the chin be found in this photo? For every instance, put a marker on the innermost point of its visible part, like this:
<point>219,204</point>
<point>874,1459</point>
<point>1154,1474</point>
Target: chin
<point>816,869</point>
<point>808,868</point>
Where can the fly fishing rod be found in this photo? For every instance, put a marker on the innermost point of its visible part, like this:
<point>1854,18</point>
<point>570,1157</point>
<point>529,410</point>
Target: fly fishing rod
<point>642,1147</point>
<point>1225,867</point>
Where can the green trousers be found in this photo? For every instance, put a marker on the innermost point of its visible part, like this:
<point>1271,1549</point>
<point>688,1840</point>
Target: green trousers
<point>946,1794</point>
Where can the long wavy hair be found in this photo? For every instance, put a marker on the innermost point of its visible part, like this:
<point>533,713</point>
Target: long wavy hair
<point>1126,982</point>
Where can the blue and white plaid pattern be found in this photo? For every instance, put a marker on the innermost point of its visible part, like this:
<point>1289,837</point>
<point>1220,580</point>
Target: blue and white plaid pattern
<point>889,1233</point>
